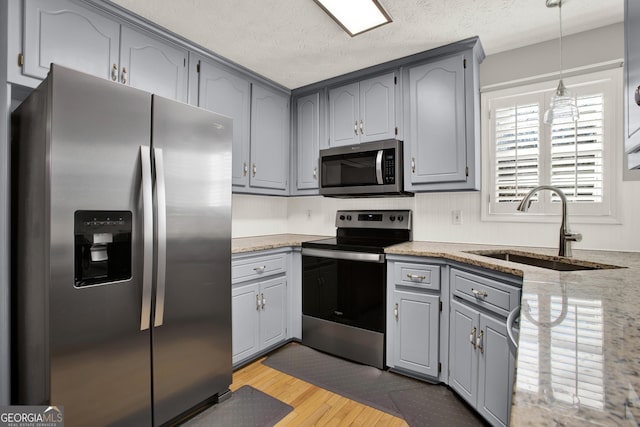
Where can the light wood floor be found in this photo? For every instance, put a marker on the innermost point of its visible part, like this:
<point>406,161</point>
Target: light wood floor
<point>312,405</point>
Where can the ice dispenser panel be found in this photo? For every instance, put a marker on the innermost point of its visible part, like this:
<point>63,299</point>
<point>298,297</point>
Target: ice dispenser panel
<point>102,247</point>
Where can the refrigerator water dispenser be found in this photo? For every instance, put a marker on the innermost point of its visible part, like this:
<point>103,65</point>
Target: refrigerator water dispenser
<point>102,247</point>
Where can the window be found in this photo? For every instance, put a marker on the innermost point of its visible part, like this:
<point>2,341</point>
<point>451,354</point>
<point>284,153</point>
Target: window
<point>520,152</point>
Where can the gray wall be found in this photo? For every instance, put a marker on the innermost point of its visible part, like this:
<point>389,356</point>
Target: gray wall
<point>582,49</point>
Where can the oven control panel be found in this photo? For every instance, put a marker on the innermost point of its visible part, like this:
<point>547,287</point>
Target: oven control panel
<point>392,219</point>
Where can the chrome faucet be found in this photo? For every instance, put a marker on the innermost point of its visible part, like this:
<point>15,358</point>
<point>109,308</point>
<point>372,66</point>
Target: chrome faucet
<point>566,236</point>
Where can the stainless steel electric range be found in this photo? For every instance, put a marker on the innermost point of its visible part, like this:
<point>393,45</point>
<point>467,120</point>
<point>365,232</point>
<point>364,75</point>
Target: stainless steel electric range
<point>344,284</point>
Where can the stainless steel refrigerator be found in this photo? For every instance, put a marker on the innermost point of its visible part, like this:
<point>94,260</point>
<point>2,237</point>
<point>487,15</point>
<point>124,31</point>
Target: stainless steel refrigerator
<point>122,253</point>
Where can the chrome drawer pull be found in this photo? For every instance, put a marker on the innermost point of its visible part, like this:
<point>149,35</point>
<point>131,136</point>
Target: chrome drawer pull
<point>260,269</point>
<point>264,301</point>
<point>257,302</point>
<point>395,311</point>
<point>416,277</point>
<point>479,294</point>
<point>472,338</point>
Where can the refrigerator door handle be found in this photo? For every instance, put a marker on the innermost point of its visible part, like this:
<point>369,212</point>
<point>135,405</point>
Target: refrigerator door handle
<point>147,236</point>
<point>161,222</point>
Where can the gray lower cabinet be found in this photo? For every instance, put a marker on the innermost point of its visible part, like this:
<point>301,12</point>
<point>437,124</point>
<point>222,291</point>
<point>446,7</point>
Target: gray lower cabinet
<point>442,145</point>
<point>415,336</point>
<point>227,93</point>
<point>632,81</point>
<point>307,136</point>
<point>77,36</point>
<point>269,140</point>
<point>363,111</point>
<point>259,302</point>
<point>413,317</point>
<point>481,365</point>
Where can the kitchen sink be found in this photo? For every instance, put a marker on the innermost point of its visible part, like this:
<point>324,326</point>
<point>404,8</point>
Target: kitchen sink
<point>544,261</point>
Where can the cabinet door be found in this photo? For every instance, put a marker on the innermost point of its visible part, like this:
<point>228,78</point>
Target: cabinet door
<point>495,380</point>
<point>269,138</point>
<point>308,143</point>
<point>632,68</point>
<point>377,108</point>
<point>437,122</point>
<point>463,361</point>
<point>344,115</point>
<point>245,310</point>
<point>273,315</point>
<point>151,65</point>
<point>416,332</point>
<point>230,95</point>
<point>67,34</point>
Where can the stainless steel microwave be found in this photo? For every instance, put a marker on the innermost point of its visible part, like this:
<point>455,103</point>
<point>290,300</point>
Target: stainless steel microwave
<point>363,170</point>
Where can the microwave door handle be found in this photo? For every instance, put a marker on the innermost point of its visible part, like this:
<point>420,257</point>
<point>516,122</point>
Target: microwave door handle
<point>379,167</point>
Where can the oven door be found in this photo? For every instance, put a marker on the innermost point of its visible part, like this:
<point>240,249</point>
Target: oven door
<point>344,287</point>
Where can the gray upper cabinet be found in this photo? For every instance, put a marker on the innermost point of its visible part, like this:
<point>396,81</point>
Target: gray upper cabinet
<point>269,139</point>
<point>632,81</point>
<point>308,141</point>
<point>344,114</point>
<point>437,115</point>
<point>362,111</point>
<point>147,63</point>
<point>441,103</point>
<point>70,35</point>
<point>228,94</point>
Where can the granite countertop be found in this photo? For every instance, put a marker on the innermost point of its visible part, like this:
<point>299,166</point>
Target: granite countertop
<point>578,360</point>
<point>260,243</point>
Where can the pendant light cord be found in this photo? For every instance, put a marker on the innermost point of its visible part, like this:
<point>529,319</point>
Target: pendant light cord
<point>560,12</point>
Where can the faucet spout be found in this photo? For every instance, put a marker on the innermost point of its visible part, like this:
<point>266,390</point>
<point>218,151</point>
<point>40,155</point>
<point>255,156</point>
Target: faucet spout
<point>566,236</point>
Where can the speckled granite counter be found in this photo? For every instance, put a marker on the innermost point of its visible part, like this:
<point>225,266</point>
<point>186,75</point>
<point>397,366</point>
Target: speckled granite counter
<point>260,243</point>
<point>578,359</point>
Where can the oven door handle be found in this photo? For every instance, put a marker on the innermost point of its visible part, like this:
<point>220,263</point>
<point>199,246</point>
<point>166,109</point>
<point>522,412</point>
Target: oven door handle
<point>379,178</point>
<point>344,255</point>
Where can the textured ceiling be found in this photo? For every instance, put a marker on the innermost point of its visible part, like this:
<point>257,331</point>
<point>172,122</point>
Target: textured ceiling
<point>294,43</point>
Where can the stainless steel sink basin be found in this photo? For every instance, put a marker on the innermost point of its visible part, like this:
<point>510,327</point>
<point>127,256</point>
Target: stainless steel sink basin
<point>543,261</point>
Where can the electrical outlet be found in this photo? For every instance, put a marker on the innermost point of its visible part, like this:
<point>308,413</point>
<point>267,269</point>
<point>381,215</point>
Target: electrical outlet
<point>456,217</point>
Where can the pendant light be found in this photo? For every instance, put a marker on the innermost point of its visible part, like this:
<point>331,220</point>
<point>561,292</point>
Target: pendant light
<point>563,106</point>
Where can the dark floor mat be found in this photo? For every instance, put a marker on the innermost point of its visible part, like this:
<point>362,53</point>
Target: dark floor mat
<point>247,407</point>
<point>433,406</point>
<point>380,389</point>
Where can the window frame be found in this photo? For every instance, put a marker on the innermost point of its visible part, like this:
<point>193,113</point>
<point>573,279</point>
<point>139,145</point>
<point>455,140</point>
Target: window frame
<point>611,82</point>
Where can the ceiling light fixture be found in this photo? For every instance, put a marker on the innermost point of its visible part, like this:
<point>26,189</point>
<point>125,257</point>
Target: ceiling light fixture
<point>355,16</point>
<point>563,106</point>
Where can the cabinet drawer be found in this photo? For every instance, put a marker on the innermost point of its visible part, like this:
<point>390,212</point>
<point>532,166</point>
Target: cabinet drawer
<point>417,275</point>
<point>246,269</point>
<point>490,294</point>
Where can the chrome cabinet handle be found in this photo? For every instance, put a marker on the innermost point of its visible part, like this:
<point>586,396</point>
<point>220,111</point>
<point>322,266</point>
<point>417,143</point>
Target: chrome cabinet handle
<point>123,79</point>
<point>264,301</point>
<point>416,277</point>
<point>114,72</point>
<point>479,294</point>
<point>245,169</point>
<point>255,170</point>
<point>413,165</point>
<point>257,302</point>
<point>511,320</point>
<point>479,341</point>
<point>355,127</point>
<point>260,269</point>
<point>161,235</point>
<point>315,173</point>
<point>472,338</point>
<point>361,128</point>
<point>638,95</point>
<point>395,311</point>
